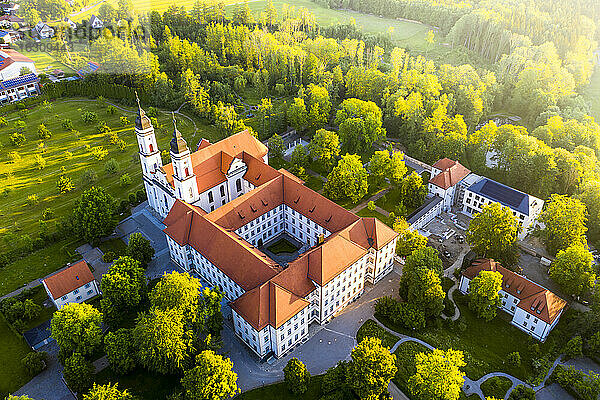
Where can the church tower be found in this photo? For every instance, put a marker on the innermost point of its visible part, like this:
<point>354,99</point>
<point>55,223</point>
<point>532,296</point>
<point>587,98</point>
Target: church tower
<point>186,187</point>
<point>149,152</point>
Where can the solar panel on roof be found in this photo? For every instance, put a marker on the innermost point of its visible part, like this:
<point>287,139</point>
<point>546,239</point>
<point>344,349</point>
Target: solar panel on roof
<point>502,193</point>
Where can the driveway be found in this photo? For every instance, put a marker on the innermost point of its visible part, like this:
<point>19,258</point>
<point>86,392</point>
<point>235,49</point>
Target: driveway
<point>48,385</point>
<point>326,345</point>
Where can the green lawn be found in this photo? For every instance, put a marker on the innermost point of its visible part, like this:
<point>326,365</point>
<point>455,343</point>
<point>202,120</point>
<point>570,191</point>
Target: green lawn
<point>144,385</point>
<point>45,63</point>
<point>487,344</point>
<point>371,329</point>
<point>22,178</point>
<point>279,391</point>
<point>282,246</point>
<point>13,349</point>
<point>496,386</point>
<point>365,212</point>
<point>592,94</point>
<point>115,245</point>
<point>37,265</point>
<point>314,183</point>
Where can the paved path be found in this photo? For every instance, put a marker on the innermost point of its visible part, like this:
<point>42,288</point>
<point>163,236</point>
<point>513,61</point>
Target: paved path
<point>449,273</point>
<point>373,198</point>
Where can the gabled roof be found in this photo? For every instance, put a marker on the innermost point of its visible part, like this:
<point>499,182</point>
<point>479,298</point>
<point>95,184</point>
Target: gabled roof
<point>239,260</point>
<point>452,173</point>
<point>268,304</point>
<point>69,279</point>
<point>534,299</point>
<point>331,258</point>
<point>502,194</point>
<point>369,232</point>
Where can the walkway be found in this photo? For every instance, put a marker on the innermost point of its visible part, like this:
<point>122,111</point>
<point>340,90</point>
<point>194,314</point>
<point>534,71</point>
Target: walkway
<point>373,198</point>
<point>449,273</point>
<point>470,386</point>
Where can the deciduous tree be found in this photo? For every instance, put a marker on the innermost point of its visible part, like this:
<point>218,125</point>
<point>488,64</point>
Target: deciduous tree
<point>120,350</point>
<point>212,378</point>
<point>493,234</point>
<point>371,369</point>
<point>348,179</point>
<point>573,271</point>
<point>409,240</point>
<point>413,190</point>
<point>296,376</point>
<point>107,392</point>
<point>140,249</point>
<point>564,220</point>
<point>76,328</point>
<point>123,288</point>
<point>438,375</point>
<point>325,147</point>
<point>93,214</point>
<point>484,298</point>
<point>78,373</point>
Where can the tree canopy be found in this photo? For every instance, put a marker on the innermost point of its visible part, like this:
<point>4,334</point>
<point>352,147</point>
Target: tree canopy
<point>438,375</point>
<point>347,180</point>
<point>211,378</point>
<point>76,328</point>
<point>93,214</point>
<point>371,369</point>
<point>484,297</point>
<point>564,221</point>
<point>573,270</point>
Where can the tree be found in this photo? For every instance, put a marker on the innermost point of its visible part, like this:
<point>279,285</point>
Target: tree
<point>318,105</point>
<point>76,328</point>
<point>413,190</point>
<point>93,214</point>
<point>514,359</point>
<point>484,298</point>
<point>573,271</point>
<point>493,234</point>
<point>107,392</point>
<point>300,156</point>
<point>420,283</point>
<point>213,316</point>
<point>211,379</point>
<point>43,132</point>
<point>347,180</point>
<point>139,249</point>
<point>276,147</point>
<point>64,184</point>
<point>593,345</point>
<point>178,291</point>
<point>325,147</point>
<point>379,166</point>
<point>297,115</point>
<point>564,219</point>
<point>35,362</point>
<point>408,240</point>
<point>296,376</point>
<point>123,287</point>
<point>360,124</point>
<point>397,169</point>
<point>162,341</point>
<point>78,373</point>
<point>573,348</point>
<point>522,392</point>
<point>120,350</point>
<point>371,369</point>
<point>438,375</point>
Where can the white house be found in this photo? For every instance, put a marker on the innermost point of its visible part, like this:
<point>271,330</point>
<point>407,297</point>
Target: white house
<point>72,24</point>
<point>74,284</point>
<point>446,175</point>
<point>223,203</point>
<point>524,207</point>
<point>96,22</point>
<point>42,31</point>
<point>535,309</point>
<point>11,62</point>
<point>5,37</point>
<point>19,88</point>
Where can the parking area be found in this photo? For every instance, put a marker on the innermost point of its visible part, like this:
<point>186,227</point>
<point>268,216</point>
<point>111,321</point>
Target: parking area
<point>446,233</point>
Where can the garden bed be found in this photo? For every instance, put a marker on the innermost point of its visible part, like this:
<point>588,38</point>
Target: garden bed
<point>496,386</point>
<point>371,329</point>
<point>282,246</point>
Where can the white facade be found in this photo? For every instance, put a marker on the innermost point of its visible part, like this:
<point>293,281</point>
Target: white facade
<point>78,295</point>
<point>526,321</point>
<point>13,69</point>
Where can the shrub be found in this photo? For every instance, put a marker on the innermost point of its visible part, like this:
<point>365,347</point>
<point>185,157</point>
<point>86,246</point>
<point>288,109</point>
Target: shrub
<point>64,184</point>
<point>113,137</point>
<point>33,199</point>
<point>121,144</point>
<point>398,313</point>
<point>89,117</point>
<point>125,180</point>
<point>108,257</point>
<point>371,206</point>
<point>140,195</point>
<point>132,199</point>
<point>514,359</point>
<point>522,392</point>
<point>124,120</point>
<point>99,153</point>
<point>111,110</point>
<point>88,177</point>
<point>40,162</point>
<point>123,205</point>
<point>35,362</point>
<point>47,214</point>
<point>17,139</point>
<point>67,124</point>
<point>43,132</point>
<point>573,348</point>
<point>449,309</point>
<point>102,127</point>
<point>296,376</point>
<point>14,156</point>
<point>111,167</point>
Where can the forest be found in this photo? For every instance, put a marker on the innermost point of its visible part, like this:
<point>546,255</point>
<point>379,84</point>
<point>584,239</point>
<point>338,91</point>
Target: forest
<point>301,72</point>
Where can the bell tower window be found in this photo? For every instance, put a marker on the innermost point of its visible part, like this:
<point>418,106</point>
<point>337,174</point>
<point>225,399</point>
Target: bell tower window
<point>187,172</point>
<point>151,148</point>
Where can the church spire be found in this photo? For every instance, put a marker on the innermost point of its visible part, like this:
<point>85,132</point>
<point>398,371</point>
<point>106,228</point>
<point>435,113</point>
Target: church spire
<point>178,143</point>
<point>142,122</point>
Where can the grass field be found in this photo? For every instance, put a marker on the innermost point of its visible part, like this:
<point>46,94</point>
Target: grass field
<point>496,387</point>
<point>142,384</point>
<point>14,349</point>
<point>39,297</point>
<point>44,62</point>
<point>485,343</point>
<point>282,246</point>
<point>22,178</point>
<point>592,95</point>
<point>279,391</point>
<point>371,329</point>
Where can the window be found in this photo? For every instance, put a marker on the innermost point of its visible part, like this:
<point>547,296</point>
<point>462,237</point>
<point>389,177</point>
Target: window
<point>210,197</point>
<point>90,292</point>
<point>64,297</point>
<point>87,285</point>
<point>222,190</point>
<point>78,298</point>
<point>187,171</point>
<point>238,185</point>
<point>75,291</point>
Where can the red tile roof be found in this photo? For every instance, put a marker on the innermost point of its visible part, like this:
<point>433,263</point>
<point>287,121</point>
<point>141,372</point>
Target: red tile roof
<point>534,299</point>
<point>69,279</point>
<point>452,173</point>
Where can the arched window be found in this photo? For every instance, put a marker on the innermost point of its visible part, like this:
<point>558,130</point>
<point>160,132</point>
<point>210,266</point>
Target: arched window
<point>151,148</point>
<point>187,172</point>
<point>238,185</point>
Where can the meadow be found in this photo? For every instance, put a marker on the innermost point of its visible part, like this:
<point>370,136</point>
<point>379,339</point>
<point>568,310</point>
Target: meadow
<point>28,188</point>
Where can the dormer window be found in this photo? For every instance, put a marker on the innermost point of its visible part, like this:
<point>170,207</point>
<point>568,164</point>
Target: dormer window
<point>537,311</point>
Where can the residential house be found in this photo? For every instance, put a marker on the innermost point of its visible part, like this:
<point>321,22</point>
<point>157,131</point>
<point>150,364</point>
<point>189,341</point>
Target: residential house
<point>42,31</point>
<point>96,22</point>
<point>446,175</point>
<point>19,88</point>
<point>11,63</point>
<point>74,284</point>
<point>534,309</point>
